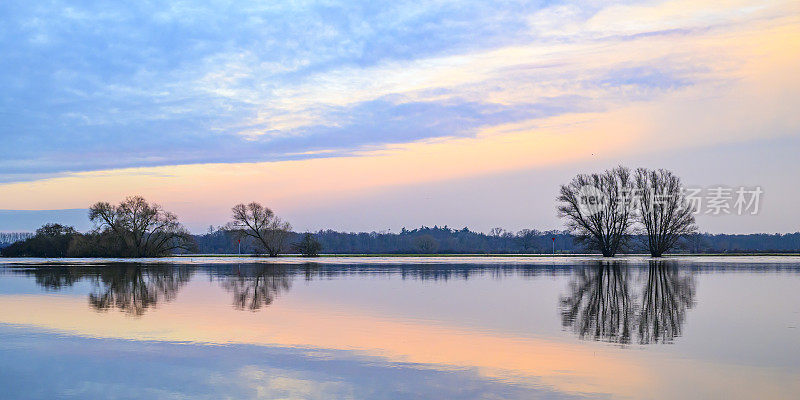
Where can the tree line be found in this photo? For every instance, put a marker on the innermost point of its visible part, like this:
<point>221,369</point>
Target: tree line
<point>6,238</point>
<point>444,240</point>
<point>612,212</point>
<point>136,228</point>
<point>423,240</point>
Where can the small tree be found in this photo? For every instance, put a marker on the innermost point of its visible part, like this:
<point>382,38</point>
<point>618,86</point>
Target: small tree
<point>598,208</point>
<point>260,223</point>
<point>426,244</point>
<point>140,229</point>
<point>527,239</point>
<point>664,211</point>
<point>308,246</point>
<point>496,232</point>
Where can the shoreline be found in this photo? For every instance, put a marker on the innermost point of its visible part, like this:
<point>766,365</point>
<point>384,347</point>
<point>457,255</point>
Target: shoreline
<point>417,259</point>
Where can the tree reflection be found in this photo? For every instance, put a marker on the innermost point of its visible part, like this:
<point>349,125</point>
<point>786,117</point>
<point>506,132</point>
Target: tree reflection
<point>257,285</point>
<point>666,296</point>
<point>601,304</point>
<point>57,278</point>
<point>132,288</point>
<point>135,288</point>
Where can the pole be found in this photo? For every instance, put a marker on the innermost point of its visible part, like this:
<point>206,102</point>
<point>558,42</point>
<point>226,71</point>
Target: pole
<point>240,245</point>
<point>554,246</point>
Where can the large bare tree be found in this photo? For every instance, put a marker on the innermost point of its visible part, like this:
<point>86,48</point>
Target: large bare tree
<point>261,224</point>
<point>664,211</point>
<point>598,209</point>
<point>140,229</point>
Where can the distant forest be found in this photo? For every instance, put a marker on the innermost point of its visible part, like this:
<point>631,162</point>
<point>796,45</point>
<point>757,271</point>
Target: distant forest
<point>445,240</point>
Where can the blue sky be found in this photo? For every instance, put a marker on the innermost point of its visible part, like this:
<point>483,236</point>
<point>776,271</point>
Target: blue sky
<point>101,86</point>
<point>142,90</point>
<point>97,86</point>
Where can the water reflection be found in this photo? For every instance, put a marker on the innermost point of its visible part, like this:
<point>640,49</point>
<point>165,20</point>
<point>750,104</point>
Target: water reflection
<point>134,288</point>
<point>666,296</point>
<point>255,286</point>
<point>57,278</point>
<point>131,288</point>
<point>601,303</point>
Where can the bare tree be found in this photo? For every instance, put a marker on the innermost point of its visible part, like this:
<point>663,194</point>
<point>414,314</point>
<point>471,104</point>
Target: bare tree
<point>527,239</point>
<point>496,232</point>
<point>598,208</point>
<point>663,209</point>
<point>139,228</point>
<point>260,223</point>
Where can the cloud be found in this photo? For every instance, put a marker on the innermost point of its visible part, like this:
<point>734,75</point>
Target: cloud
<point>91,86</point>
<point>104,86</point>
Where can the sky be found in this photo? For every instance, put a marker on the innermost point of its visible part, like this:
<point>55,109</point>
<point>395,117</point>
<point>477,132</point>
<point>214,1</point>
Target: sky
<point>375,115</point>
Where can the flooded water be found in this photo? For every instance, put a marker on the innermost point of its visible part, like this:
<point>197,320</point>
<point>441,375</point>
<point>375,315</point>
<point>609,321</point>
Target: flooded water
<point>401,328</point>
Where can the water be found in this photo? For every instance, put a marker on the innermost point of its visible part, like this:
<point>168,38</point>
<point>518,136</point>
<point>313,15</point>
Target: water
<point>372,328</point>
